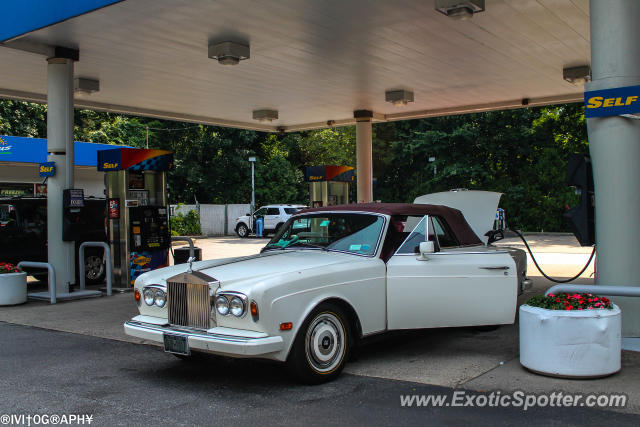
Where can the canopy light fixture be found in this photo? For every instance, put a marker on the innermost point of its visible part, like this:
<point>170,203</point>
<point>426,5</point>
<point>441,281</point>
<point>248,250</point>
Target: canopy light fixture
<point>82,85</point>
<point>459,9</point>
<point>265,116</point>
<point>228,53</point>
<point>398,97</point>
<point>577,75</point>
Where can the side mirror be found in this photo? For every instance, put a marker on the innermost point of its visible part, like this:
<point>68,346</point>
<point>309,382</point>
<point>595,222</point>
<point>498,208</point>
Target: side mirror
<point>426,248</point>
<point>248,214</point>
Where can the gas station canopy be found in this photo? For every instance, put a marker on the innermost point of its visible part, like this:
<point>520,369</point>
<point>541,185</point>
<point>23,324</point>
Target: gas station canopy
<point>310,63</point>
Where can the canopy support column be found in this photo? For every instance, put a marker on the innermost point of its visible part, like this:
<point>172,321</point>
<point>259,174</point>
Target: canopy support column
<point>614,143</point>
<point>61,255</point>
<point>364,155</point>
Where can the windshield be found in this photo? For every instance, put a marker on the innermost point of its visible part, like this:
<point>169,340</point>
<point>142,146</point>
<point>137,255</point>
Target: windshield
<point>345,232</point>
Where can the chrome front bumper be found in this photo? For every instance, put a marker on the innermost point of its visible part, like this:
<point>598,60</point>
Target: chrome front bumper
<point>234,342</point>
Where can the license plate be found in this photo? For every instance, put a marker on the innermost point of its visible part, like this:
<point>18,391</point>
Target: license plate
<point>176,344</point>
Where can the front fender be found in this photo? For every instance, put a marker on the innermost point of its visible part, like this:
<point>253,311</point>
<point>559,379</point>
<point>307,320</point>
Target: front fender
<point>366,296</point>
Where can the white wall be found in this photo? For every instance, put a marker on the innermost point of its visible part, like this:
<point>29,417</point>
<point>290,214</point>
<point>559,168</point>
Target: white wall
<point>233,212</point>
<point>212,220</point>
<point>216,220</point>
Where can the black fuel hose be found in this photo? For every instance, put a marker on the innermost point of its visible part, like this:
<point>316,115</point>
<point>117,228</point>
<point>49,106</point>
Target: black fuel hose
<point>543,273</point>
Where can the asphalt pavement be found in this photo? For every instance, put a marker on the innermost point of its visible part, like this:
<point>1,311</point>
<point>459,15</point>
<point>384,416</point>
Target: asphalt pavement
<point>73,357</point>
<point>55,373</point>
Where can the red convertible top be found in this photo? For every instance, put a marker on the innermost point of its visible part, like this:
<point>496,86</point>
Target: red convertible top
<point>453,217</point>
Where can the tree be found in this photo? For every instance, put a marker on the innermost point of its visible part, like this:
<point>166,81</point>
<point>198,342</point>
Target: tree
<point>23,119</point>
<point>521,153</point>
<point>333,146</point>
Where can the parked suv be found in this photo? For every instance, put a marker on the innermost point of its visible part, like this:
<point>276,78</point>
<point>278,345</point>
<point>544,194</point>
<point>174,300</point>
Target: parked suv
<point>23,234</point>
<point>273,215</point>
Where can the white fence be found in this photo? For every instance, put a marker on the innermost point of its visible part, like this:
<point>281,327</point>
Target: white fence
<point>215,220</point>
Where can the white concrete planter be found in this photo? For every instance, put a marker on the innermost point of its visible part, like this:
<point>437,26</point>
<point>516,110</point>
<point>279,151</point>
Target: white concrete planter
<point>572,344</point>
<point>13,288</point>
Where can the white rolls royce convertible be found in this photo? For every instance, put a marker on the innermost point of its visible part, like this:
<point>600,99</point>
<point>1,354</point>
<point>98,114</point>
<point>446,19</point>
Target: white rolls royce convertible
<point>329,277</point>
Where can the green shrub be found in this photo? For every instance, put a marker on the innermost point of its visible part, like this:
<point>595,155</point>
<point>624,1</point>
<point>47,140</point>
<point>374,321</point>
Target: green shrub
<point>186,225</point>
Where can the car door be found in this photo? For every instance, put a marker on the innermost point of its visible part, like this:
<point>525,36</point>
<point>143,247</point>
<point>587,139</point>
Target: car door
<point>257,214</point>
<point>272,218</point>
<point>454,286</point>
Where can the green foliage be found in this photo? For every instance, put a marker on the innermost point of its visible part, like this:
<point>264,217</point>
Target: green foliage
<point>119,130</point>
<point>521,153</point>
<point>23,119</point>
<point>277,181</point>
<point>186,224</point>
<point>334,146</point>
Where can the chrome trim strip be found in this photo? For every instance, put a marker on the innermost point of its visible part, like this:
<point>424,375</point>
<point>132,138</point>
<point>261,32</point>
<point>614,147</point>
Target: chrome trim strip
<point>457,253</point>
<point>192,333</point>
<point>375,253</point>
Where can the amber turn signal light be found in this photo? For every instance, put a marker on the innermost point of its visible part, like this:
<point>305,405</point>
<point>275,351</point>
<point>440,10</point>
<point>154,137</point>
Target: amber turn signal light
<point>287,326</point>
<point>253,307</point>
<point>136,295</point>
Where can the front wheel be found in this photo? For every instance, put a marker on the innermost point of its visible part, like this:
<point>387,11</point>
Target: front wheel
<point>242,231</point>
<point>322,345</point>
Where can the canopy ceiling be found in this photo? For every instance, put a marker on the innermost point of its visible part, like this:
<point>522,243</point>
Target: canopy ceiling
<point>312,61</point>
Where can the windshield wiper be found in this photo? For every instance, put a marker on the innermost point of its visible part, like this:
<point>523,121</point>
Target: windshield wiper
<point>310,245</point>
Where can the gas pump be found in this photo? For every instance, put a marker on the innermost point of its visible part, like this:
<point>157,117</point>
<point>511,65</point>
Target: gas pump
<point>137,214</point>
<point>329,185</point>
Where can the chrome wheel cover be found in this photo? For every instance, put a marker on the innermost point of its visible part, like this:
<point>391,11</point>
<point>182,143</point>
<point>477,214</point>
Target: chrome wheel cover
<point>325,342</point>
<point>242,230</point>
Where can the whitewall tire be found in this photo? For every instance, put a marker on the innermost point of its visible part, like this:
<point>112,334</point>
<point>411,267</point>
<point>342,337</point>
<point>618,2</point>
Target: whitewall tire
<point>322,345</point>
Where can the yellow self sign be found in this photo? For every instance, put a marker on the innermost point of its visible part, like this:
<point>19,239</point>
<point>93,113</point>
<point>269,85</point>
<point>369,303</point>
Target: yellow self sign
<point>612,102</point>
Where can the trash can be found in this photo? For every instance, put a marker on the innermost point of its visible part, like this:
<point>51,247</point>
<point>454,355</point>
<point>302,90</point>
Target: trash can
<point>181,254</point>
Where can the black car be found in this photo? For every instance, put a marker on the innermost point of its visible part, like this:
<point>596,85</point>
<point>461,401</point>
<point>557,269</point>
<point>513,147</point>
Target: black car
<point>23,234</point>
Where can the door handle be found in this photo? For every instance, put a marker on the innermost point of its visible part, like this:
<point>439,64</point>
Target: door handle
<point>501,267</point>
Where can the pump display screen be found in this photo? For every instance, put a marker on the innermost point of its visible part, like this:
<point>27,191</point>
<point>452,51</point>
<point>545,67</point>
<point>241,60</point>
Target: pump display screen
<point>136,180</point>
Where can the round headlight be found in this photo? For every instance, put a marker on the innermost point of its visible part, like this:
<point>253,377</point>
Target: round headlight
<point>149,296</point>
<point>160,298</point>
<point>222,305</point>
<point>236,306</point>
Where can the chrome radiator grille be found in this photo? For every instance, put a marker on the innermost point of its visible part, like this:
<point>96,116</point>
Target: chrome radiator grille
<point>189,304</point>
